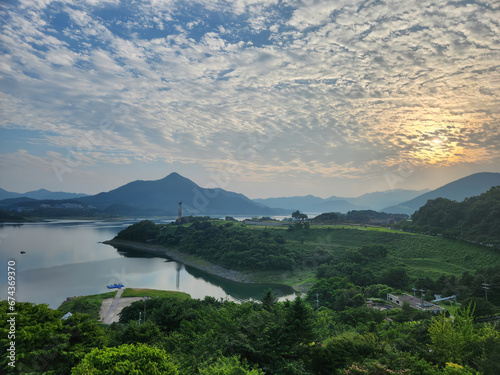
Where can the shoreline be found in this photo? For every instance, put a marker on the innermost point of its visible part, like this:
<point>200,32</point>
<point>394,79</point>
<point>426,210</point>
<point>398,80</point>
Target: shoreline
<point>187,259</point>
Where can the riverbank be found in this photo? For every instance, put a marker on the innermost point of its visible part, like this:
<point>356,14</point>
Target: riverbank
<point>187,259</point>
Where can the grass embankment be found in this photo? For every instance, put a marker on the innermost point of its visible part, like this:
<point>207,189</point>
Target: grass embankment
<point>92,304</point>
<point>86,304</point>
<point>131,292</point>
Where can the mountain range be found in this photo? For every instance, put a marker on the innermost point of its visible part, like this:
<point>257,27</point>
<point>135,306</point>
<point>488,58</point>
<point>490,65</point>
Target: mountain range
<point>154,198</point>
<point>458,190</point>
<point>161,198</point>
<point>371,201</point>
<point>40,194</point>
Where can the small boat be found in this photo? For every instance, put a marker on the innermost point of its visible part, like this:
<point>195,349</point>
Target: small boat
<point>23,252</point>
<point>115,285</point>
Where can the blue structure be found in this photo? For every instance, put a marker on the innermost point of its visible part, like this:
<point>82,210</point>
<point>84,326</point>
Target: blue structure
<point>117,286</point>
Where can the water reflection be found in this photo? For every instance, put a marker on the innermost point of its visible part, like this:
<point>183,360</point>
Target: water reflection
<point>232,289</point>
<point>67,258</point>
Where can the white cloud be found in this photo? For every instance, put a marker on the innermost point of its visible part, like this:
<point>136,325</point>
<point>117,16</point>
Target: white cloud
<point>347,88</point>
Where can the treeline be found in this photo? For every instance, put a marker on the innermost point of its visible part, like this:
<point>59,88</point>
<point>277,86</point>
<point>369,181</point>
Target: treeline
<point>359,217</point>
<point>476,219</point>
<point>330,331</point>
<point>6,216</point>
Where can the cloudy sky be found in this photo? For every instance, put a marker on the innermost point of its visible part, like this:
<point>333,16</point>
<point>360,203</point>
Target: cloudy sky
<point>263,97</point>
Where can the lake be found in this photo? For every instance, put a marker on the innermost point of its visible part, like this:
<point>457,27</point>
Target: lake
<point>65,258</point>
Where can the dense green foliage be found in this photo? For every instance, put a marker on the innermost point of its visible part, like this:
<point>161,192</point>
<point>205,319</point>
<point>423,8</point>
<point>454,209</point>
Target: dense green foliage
<point>331,331</point>
<point>359,217</point>
<point>231,247</point>
<point>6,216</point>
<point>127,359</point>
<point>342,250</point>
<point>46,344</point>
<point>476,219</point>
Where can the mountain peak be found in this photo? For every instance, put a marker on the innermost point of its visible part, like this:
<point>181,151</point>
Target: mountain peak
<point>174,175</point>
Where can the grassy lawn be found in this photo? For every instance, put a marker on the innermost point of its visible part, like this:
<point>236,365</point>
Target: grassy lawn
<point>86,304</point>
<point>130,292</point>
<point>451,307</point>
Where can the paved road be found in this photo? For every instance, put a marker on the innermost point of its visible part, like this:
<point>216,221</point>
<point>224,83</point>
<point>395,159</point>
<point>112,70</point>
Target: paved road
<point>112,309</point>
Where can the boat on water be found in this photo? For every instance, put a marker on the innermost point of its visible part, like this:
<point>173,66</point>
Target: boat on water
<point>115,285</point>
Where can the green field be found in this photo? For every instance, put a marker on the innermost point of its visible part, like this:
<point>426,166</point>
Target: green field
<point>130,292</point>
<point>86,304</point>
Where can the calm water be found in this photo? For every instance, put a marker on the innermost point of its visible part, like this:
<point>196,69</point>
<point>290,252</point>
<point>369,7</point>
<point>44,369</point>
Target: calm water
<point>65,258</point>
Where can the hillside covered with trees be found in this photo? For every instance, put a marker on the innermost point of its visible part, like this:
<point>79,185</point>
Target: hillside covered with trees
<point>329,331</point>
<point>476,219</point>
<point>342,325</point>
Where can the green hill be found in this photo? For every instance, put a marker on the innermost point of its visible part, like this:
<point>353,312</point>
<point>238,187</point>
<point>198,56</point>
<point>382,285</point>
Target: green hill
<point>476,219</point>
<point>295,254</point>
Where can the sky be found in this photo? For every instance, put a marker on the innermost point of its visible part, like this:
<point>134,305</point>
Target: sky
<point>263,97</point>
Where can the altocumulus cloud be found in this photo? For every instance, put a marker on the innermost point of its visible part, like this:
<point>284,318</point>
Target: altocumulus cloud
<point>344,88</point>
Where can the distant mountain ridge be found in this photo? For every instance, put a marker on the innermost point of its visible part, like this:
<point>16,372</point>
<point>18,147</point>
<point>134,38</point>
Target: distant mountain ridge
<point>161,197</point>
<point>164,195</point>
<point>458,190</point>
<point>370,201</point>
<point>40,194</point>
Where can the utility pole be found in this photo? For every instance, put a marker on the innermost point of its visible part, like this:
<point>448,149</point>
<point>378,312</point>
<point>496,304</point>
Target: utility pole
<point>139,317</point>
<point>144,299</point>
<point>486,287</point>
<point>317,301</point>
<point>422,299</point>
<point>414,290</point>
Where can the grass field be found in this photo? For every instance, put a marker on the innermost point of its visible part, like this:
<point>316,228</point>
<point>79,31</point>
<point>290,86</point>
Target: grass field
<point>86,304</point>
<point>130,292</point>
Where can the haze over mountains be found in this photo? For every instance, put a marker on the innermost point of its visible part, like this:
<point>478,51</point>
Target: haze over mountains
<point>40,194</point>
<point>161,198</point>
<point>458,190</point>
<point>372,201</point>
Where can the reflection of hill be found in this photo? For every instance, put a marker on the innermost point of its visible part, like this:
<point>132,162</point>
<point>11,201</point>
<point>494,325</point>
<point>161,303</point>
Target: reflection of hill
<point>239,291</point>
<point>131,253</point>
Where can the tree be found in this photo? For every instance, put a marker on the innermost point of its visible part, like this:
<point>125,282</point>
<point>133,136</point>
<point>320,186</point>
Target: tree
<point>396,277</point>
<point>451,338</point>
<point>229,366</point>
<point>269,300</point>
<point>299,216</point>
<point>44,342</point>
<point>137,359</point>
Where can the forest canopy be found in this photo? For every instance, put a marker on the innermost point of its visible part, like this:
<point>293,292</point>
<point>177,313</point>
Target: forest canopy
<point>476,219</point>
